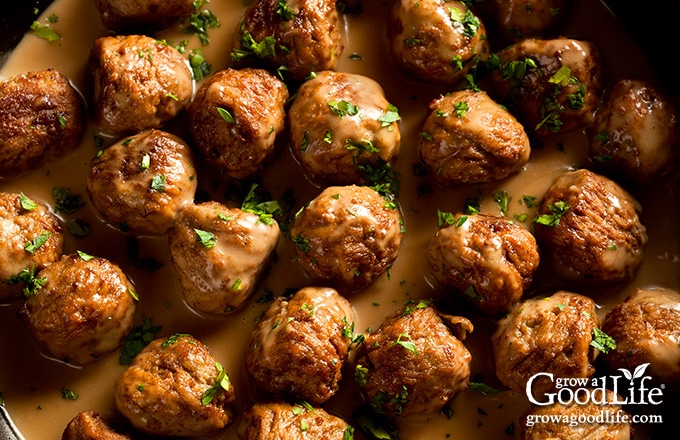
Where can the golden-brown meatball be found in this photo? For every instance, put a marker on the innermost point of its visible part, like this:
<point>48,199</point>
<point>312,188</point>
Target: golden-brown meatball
<point>124,16</point>
<point>415,362</point>
<point>175,387</point>
<point>219,255</point>
<point>140,183</point>
<point>89,425</point>
<point>235,119</point>
<point>137,83</point>
<point>347,236</point>
<point>299,347</point>
<point>42,117</point>
<point>84,310</point>
<point>468,138</point>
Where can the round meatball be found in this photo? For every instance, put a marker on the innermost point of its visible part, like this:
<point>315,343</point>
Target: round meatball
<point>519,19</point>
<point>84,310</point>
<point>635,134</point>
<point>219,255</point>
<point>42,117</point>
<point>589,228</point>
<point>545,335</point>
<point>436,40</point>
<point>415,362</point>
<point>89,425</point>
<point>646,328</point>
<point>468,138</point>
<point>300,345</point>
<point>137,83</point>
<point>347,237</point>
<point>285,421</point>
<point>235,119</point>
<point>296,39</point>
<point>175,387</point>
<point>140,183</point>
<point>489,260</point>
<point>122,16</point>
<point>31,237</point>
<point>551,86</point>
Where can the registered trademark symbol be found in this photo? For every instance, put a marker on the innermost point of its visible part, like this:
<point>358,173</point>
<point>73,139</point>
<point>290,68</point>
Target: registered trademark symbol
<point>663,386</point>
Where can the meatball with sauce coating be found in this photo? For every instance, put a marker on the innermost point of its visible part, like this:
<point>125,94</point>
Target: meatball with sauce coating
<point>468,138</point>
<point>42,117</point>
<point>175,387</point>
<point>300,345</point>
<point>347,237</point>
<point>219,254</point>
<point>89,425</point>
<point>235,119</point>
<point>140,183</point>
<point>518,19</point>
<point>341,126</point>
<point>84,310</point>
<point>137,83</point>
<point>491,260</point>
<point>31,237</point>
<point>436,40</point>
<point>415,362</point>
<point>124,16</point>
<point>589,228</point>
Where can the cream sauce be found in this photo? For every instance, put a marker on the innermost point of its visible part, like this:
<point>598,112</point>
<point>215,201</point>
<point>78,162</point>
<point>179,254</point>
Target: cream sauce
<point>31,383</point>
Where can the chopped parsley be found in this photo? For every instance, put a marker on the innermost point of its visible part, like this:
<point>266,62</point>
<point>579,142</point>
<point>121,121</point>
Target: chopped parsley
<point>250,47</point>
<point>467,21</point>
<point>460,109</point>
<point>67,394</point>
<point>199,66</point>
<point>557,211</point>
<point>222,383</point>
<point>502,200</point>
<point>65,201</point>
<point>259,204</point>
<point>45,32</point>
<point>225,114</point>
<point>200,22</point>
<point>27,203</point>
<point>139,337</point>
<point>158,183</point>
<point>284,10</point>
<point>35,244</point>
<point>206,238</point>
<point>31,283</point>
<point>343,108</point>
<point>404,340</point>
<point>391,115</point>
<point>602,341</point>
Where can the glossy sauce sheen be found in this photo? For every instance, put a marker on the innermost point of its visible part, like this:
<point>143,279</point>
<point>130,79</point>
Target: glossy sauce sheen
<point>31,383</point>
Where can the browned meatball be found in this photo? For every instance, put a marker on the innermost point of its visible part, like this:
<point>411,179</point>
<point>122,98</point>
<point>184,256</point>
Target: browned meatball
<point>219,255</point>
<point>137,83</point>
<point>175,387</point>
<point>347,237</point>
<point>124,16</point>
<point>589,229</point>
<point>84,310</point>
<point>89,425</point>
<point>285,421</point>
<point>140,183</point>
<point>518,19</point>
<point>551,86</point>
<point>31,237</point>
<point>342,126</point>
<point>646,328</point>
<point>489,260</point>
<point>42,117</point>
<point>300,345</point>
<point>235,119</point>
<point>545,335</point>
<point>635,134</point>
<point>294,38</point>
<point>468,138</point>
<point>415,362</point>
<point>436,40</point>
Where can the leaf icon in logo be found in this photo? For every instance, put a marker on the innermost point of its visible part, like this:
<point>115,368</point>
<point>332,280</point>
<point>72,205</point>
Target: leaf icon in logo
<point>639,372</point>
<point>626,373</point>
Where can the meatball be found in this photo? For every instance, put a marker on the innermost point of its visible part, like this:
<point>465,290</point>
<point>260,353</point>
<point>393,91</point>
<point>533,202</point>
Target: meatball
<point>137,83</point>
<point>235,119</point>
<point>140,183</point>
<point>589,228</point>
<point>31,237</point>
<point>89,425</point>
<point>347,237</point>
<point>175,387</point>
<point>545,335</point>
<point>415,362</point>
<point>84,310</point>
<point>468,138</point>
<point>519,19</point>
<point>342,127</point>
<point>296,39</point>
<point>122,16</point>
<point>285,421</point>
<point>646,328</point>
<point>436,40</point>
<point>219,254</point>
<point>635,134</point>
<point>551,86</point>
<point>489,260</point>
<point>300,345</point>
<point>42,117</point>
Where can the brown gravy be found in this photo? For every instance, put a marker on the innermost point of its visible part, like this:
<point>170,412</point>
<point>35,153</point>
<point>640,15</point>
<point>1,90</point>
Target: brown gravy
<point>31,383</point>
